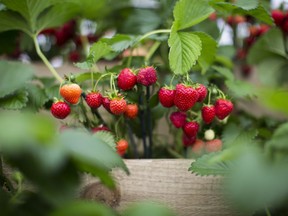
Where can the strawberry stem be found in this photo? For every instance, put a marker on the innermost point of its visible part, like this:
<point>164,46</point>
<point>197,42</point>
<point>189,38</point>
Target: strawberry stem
<point>142,121</point>
<point>154,32</point>
<point>149,120</point>
<point>132,140</point>
<point>209,96</point>
<point>171,81</point>
<point>102,76</point>
<point>152,50</point>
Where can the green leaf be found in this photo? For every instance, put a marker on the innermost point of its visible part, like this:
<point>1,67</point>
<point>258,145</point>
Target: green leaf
<point>241,89</point>
<point>185,49</point>
<point>190,12</point>
<point>224,72</point>
<point>37,97</point>
<point>52,92</point>
<point>106,137</point>
<point>10,20</point>
<point>13,76</point>
<point>208,52</point>
<point>213,164</point>
<point>82,77</point>
<point>233,136</point>
<point>120,42</point>
<point>247,4</point>
<point>279,139</point>
<point>15,101</point>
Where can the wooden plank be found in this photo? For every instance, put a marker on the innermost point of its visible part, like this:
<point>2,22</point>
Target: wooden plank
<point>166,181</point>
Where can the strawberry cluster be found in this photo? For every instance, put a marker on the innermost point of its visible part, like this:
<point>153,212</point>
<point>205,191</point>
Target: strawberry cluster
<point>281,20</point>
<point>184,97</point>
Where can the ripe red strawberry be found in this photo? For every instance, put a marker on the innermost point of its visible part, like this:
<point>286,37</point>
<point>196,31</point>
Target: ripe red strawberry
<point>198,146</point>
<point>191,128</point>
<point>278,17</point>
<point>131,111</point>
<point>223,108</point>
<point>100,128</point>
<point>118,106</point>
<point>122,146</point>
<point>185,97</point>
<point>94,99</point>
<point>106,103</point>
<point>178,119</point>
<point>147,76</point>
<point>166,97</point>
<point>188,141</point>
<point>208,113</point>
<point>202,92</point>
<point>60,110</point>
<point>126,79</point>
<point>71,92</point>
<point>213,145</point>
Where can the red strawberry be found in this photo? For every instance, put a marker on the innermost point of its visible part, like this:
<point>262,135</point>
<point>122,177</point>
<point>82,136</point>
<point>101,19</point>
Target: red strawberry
<point>223,108</point>
<point>191,128</point>
<point>198,146</point>
<point>185,97</point>
<point>166,97</point>
<point>106,103</point>
<point>131,111</point>
<point>213,145</point>
<point>278,17</point>
<point>202,92</point>
<point>60,110</point>
<point>147,76</point>
<point>94,99</point>
<point>188,141</point>
<point>208,113</point>
<point>100,128</point>
<point>126,79</point>
<point>118,106</point>
<point>178,119</point>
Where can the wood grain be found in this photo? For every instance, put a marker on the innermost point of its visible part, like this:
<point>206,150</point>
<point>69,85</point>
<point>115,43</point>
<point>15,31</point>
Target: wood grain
<point>169,182</point>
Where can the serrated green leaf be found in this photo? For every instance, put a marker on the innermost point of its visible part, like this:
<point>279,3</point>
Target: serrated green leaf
<point>212,164</point>
<point>13,76</point>
<point>52,92</point>
<point>190,12</point>
<point>37,97</point>
<point>106,137</point>
<point>241,89</point>
<point>208,52</point>
<point>120,42</point>
<point>185,49</point>
<point>86,76</point>
<point>224,72</point>
<point>15,101</point>
<point>233,136</point>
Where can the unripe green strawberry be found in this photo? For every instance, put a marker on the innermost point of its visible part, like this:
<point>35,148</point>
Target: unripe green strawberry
<point>209,134</point>
<point>208,113</point>
<point>94,99</point>
<point>60,110</point>
<point>166,97</point>
<point>118,106</point>
<point>185,97</point>
<point>126,79</point>
<point>223,108</point>
<point>147,76</point>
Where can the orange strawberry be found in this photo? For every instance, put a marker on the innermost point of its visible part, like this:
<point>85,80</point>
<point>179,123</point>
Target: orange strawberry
<point>131,111</point>
<point>71,92</point>
<point>213,145</point>
<point>121,146</point>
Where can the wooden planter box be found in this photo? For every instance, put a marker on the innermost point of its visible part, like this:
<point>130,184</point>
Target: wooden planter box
<point>166,181</point>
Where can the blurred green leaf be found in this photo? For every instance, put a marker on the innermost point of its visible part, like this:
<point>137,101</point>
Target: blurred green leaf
<point>82,77</point>
<point>106,137</point>
<point>120,42</point>
<point>279,139</point>
<point>83,208</point>
<point>224,72</point>
<point>154,101</point>
<point>209,47</point>
<point>13,76</point>
<point>247,4</point>
<point>185,49</point>
<point>190,12</point>
<point>37,97</point>
<point>14,101</point>
<point>241,89</point>
<point>52,92</point>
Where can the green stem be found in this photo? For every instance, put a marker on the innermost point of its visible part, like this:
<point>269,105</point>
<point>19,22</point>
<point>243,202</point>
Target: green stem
<point>267,211</point>
<point>172,79</point>
<point>116,127</point>
<point>209,96</point>
<point>45,60</point>
<point>285,42</point>
<point>154,32</point>
<point>129,59</point>
<point>102,76</point>
<point>152,50</point>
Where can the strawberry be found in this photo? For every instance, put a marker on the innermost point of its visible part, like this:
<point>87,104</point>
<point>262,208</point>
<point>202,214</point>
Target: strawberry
<point>213,145</point>
<point>178,119</point>
<point>147,76</point>
<point>185,97</point>
<point>60,110</point>
<point>117,106</point>
<point>94,99</point>
<point>121,146</point>
<point>208,113</point>
<point>166,97</point>
<point>188,141</point>
<point>191,128</point>
<point>126,79</point>
<point>71,92</point>
<point>278,17</point>
<point>198,146</point>
<point>131,111</point>
<point>202,92</point>
<point>100,128</point>
<point>223,108</point>
<point>209,134</point>
<point>106,103</point>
